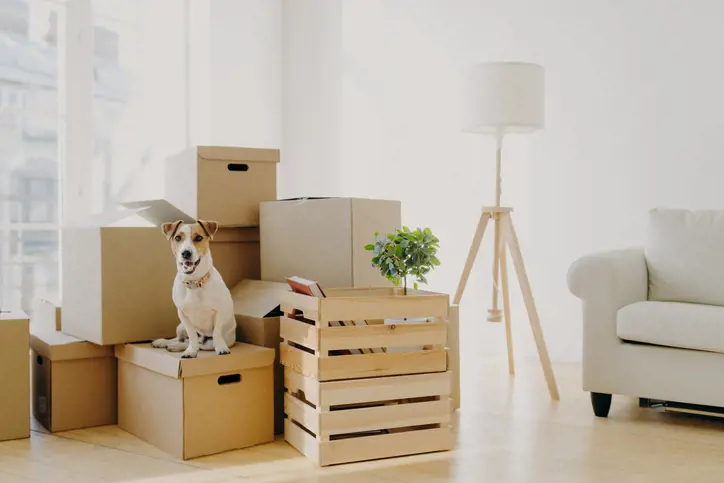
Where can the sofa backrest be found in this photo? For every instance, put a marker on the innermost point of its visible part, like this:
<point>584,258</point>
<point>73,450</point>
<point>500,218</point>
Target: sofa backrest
<point>684,254</point>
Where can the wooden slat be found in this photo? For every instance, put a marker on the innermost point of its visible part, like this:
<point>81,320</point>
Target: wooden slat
<point>299,332</point>
<point>299,361</point>
<point>355,308</point>
<point>307,304</point>
<point>302,413</point>
<point>377,365</point>
<point>385,446</point>
<point>453,352</point>
<point>302,441</point>
<point>335,393</point>
<point>356,337</point>
<point>294,382</point>
<point>384,417</point>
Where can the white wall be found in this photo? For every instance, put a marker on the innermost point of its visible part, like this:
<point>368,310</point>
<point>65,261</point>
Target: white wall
<point>312,161</point>
<point>245,52</point>
<point>633,112</point>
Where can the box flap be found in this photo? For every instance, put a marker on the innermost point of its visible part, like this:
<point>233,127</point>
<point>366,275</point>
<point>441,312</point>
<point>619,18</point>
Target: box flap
<point>256,298</point>
<point>111,217</point>
<point>58,346</point>
<point>242,357</point>
<point>158,211</point>
<point>229,153</point>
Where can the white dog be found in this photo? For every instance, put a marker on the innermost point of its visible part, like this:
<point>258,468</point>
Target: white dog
<point>203,300</point>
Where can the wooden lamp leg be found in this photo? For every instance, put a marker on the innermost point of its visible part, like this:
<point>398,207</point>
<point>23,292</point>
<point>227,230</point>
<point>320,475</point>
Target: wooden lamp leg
<point>472,254</point>
<point>506,304</point>
<point>494,314</point>
<point>511,239</point>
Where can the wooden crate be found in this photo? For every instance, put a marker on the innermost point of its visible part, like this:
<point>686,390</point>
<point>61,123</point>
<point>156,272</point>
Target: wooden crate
<point>316,345</point>
<point>363,419</point>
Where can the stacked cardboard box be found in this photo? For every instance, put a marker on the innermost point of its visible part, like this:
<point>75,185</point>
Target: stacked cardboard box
<point>14,381</point>
<point>118,274</point>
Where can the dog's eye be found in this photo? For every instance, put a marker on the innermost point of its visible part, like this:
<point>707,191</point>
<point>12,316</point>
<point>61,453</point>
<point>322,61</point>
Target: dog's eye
<point>177,238</point>
<point>198,238</point>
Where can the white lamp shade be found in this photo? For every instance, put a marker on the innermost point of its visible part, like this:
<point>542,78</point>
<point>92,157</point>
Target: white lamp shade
<point>503,97</point>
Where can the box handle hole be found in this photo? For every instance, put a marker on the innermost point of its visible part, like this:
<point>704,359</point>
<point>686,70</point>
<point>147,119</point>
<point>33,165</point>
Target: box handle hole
<point>238,167</point>
<point>39,360</point>
<point>229,379</point>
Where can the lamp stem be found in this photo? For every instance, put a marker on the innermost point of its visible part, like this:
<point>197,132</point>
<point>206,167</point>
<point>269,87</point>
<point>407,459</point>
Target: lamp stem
<point>494,314</point>
<point>498,178</point>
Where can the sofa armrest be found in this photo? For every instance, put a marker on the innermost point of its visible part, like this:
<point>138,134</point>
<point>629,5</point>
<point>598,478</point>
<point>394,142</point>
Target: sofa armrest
<point>614,278</point>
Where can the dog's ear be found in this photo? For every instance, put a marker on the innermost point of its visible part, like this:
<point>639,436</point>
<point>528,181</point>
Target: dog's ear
<point>209,227</point>
<point>169,229</point>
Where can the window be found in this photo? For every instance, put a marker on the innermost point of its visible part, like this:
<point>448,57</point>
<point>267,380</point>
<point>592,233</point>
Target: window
<point>72,147</point>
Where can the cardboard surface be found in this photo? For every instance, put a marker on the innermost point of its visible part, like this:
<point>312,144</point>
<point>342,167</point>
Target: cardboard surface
<point>118,277</point>
<point>58,346</point>
<point>196,407</point>
<point>324,239</point>
<point>224,184</point>
<point>14,376</point>
<point>117,284</point>
<point>170,364</point>
<point>256,308</point>
<point>46,315</point>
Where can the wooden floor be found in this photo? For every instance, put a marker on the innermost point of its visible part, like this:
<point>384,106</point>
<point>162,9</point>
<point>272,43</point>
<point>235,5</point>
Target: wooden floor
<point>508,431</point>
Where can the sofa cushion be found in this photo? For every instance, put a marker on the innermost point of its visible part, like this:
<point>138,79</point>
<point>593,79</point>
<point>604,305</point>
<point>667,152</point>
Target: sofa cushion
<point>684,254</point>
<point>673,324</point>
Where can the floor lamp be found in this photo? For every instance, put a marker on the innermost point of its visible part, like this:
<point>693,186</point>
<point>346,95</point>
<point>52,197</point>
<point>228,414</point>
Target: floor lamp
<point>501,98</point>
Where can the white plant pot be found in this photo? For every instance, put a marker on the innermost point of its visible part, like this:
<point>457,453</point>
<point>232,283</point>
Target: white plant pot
<point>406,321</point>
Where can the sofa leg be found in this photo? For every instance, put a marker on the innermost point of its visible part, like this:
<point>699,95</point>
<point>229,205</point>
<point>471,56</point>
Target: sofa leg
<point>601,404</point>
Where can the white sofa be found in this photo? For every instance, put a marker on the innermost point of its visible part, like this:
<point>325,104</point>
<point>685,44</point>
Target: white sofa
<point>653,316</point>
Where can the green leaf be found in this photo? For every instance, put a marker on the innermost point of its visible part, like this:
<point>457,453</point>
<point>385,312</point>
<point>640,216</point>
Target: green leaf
<point>370,246</point>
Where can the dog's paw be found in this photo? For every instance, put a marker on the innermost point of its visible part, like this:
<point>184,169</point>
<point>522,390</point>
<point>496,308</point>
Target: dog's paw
<point>223,351</point>
<point>159,343</point>
<point>177,346</point>
<point>189,354</point>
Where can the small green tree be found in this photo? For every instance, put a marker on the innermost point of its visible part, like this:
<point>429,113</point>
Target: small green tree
<point>403,253</point>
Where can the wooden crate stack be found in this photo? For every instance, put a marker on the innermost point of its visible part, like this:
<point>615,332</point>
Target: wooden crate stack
<point>349,399</point>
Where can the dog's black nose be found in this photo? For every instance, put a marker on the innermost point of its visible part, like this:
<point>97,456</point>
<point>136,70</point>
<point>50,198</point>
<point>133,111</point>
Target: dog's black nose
<point>186,254</point>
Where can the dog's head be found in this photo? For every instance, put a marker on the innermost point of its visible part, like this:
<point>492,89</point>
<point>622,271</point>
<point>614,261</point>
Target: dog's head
<point>190,243</point>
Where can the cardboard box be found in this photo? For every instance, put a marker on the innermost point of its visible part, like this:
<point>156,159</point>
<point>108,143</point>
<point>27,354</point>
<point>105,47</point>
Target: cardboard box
<point>195,407</point>
<point>14,376</point>
<point>256,307</point>
<point>225,184</point>
<point>323,239</point>
<point>118,273</point>
<point>74,382</point>
<point>46,316</point>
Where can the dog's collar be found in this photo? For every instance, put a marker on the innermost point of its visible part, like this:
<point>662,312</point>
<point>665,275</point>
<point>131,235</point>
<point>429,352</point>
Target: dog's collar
<point>198,283</point>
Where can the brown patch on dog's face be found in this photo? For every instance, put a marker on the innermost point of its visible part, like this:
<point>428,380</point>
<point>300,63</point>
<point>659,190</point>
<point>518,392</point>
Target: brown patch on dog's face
<point>200,238</point>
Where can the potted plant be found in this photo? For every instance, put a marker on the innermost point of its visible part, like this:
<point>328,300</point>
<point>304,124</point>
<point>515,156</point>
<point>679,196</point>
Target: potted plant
<point>405,253</point>
<point>402,254</point>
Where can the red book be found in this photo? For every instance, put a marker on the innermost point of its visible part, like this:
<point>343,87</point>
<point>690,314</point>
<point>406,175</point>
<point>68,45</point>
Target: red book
<point>306,287</point>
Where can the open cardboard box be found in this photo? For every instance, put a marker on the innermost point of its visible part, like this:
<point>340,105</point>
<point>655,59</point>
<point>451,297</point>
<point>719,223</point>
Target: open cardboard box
<point>323,239</point>
<point>118,272</point>
<point>257,312</point>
